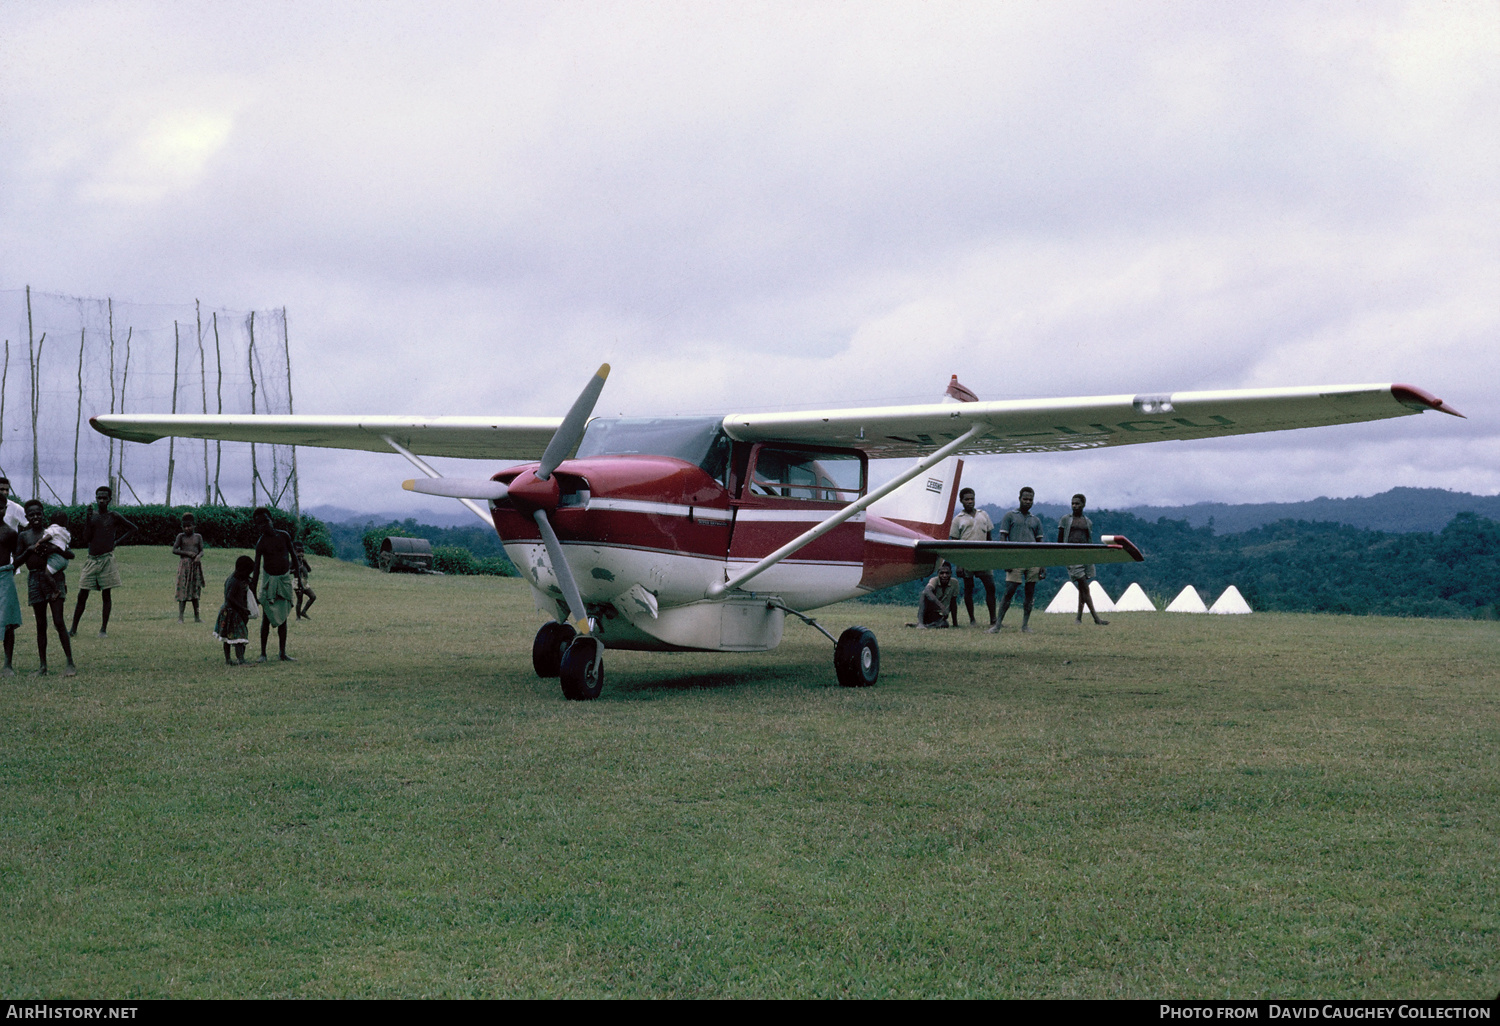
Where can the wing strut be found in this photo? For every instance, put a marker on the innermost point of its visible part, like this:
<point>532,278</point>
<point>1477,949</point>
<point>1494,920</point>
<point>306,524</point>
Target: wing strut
<point>426,468</point>
<point>813,534</point>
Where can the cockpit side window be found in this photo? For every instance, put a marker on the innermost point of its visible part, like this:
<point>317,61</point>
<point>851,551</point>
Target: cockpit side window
<point>812,476</point>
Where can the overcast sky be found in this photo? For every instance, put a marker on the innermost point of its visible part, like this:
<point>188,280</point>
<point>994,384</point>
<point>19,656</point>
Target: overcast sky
<point>467,207</point>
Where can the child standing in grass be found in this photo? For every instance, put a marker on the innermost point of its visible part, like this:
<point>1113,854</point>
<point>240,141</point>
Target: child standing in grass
<point>233,624</point>
<point>56,540</point>
<point>300,572</point>
<point>189,546</point>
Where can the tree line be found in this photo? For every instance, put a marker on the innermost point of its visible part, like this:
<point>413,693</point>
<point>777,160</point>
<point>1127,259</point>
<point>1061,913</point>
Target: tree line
<point>1300,566</point>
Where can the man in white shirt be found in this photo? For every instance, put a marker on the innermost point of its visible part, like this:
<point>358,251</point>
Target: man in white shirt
<point>14,515</point>
<point>974,525</point>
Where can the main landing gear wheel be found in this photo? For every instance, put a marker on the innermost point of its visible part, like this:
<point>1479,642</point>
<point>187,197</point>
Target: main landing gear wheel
<point>547,650</point>
<point>582,670</point>
<point>856,658</point>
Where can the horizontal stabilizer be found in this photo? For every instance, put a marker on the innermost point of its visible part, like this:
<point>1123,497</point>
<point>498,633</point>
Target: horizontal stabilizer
<point>1004,555</point>
<point>458,487</point>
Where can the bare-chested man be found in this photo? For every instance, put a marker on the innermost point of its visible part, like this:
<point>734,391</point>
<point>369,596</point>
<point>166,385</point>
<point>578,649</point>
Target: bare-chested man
<point>274,591</point>
<point>1078,529</point>
<point>102,531</point>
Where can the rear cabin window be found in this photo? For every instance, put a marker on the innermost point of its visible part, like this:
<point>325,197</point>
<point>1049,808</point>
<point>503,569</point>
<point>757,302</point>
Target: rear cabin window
<point>813,476</point>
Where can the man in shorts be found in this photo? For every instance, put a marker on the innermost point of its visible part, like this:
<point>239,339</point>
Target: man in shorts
<point>974,524</point>
<point>102,531</point>
<point>275,590</point>
<point>1021,525</point>
<point>1079,530</point>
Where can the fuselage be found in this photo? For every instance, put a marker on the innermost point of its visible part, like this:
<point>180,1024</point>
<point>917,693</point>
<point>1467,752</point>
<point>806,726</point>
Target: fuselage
<point>647,535</point>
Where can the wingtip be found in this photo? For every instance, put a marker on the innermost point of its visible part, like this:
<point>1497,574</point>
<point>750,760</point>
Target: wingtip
<point>1124,543</point>
<point>1419,399</point>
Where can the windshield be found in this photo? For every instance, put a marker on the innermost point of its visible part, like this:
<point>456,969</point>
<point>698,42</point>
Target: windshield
<point>696,440</point>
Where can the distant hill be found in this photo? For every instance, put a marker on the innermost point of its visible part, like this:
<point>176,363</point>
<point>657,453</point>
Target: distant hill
<point>1398,511</point>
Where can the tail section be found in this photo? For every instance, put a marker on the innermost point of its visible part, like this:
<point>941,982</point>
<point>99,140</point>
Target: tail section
<point>925,504</point>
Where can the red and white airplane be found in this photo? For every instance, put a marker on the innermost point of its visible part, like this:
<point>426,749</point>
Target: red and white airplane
<point>704,533</point>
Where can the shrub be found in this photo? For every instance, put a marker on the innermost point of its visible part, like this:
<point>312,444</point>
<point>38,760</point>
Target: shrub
<point>222,527</point>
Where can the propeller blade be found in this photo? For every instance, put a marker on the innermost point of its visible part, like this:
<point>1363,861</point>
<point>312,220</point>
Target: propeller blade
<point>458,488</point>
<point>570,432</point>
<point>564,573</point>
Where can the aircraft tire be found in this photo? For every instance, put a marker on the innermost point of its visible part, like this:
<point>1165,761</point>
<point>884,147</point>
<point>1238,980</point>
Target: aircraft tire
<point>582,670</point>
<point>547,650</point>
<point>856,658</point>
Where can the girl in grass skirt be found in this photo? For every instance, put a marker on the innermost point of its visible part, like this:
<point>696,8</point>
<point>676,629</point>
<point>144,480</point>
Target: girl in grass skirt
<point>232,626</point>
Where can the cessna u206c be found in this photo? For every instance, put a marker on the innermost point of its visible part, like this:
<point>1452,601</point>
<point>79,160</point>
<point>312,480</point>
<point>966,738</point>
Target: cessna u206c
<point>705,533</point>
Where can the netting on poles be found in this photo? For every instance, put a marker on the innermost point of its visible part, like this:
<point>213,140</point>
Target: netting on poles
<point>67,358</point>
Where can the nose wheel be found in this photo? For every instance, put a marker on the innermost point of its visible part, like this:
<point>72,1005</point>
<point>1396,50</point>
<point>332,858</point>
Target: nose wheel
<point>548,648</point>
<point>582,671</point>
<point>856,658</point>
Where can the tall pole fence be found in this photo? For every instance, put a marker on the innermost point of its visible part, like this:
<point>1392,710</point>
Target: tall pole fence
<point>87,356</point>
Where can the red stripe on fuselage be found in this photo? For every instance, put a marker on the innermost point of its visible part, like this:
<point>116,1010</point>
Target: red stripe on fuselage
<point>675,483</point>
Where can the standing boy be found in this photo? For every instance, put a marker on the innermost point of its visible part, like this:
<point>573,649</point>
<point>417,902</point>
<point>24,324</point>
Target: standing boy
<point>974,525</point>
<point>274,590</point>
<point>1079,530</point>
<point>1021,525</point>
<point>102,531</point>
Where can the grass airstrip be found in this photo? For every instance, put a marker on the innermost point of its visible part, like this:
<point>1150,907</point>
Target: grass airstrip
<point>1172,806</point>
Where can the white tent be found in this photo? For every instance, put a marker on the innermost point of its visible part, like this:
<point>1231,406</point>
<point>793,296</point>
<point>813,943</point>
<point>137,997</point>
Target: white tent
<point>1187,601</point>
<point>1230,602</point>
<point>1066,599</point>
<point>1134,601</point>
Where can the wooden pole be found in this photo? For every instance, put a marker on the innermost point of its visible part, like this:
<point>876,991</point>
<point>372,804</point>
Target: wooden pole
<point>110,472</point>
<point>172,445</point>
<point>36,486</point>
<point>286,346</point>
<point>219,446</point>
<point>4,374</point>
<point>36,402</point>
<point>124,378</point>
<point>203,385</point>
<point>78,414</point>
<point>250,358</point>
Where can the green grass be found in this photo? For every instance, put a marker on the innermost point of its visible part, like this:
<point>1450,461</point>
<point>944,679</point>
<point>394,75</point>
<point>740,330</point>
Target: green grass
<point>1271,805</point>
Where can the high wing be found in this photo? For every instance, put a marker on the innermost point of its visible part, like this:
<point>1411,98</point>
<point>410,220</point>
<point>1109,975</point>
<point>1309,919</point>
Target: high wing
<point>1056,425</point>
<point>1007,555</point>
<point>500,438</point>
<point>1009,426</point>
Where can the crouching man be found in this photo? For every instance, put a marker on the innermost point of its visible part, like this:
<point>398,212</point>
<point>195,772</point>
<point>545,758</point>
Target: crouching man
<point>938,606</point>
